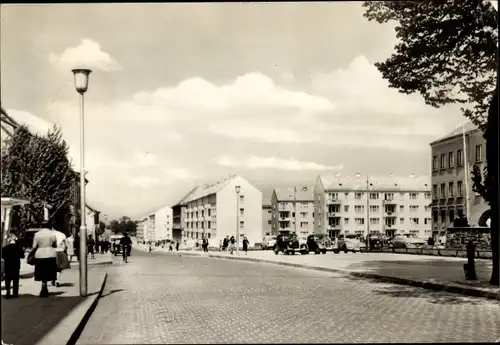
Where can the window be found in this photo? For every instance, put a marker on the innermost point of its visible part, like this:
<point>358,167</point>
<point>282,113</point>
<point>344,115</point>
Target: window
<point>390,221</point>
<point>375,208</point>
<point>360,221</point>
<point>401,220</point>
<point>427,208</point>
<point>479,153</point>
<point>441,162</point>
<point>450,189</point>
<point>443,190</point>
<point>459,188</point>
<point>401,208</point>
<point>414,208</point>
<point>242,211</point>
<point>451,161</point>
<point>267,212</point>
<point>374,196</point>
<point>242,199</point>
<point>303,214</point>
<point>413,196</point>
<point>334,196</point>
<point>389,196</point>
<point>359,208</point>
<point>427,195</point>
<point>269,222</point>
<point>209,224</point>
<point>460,158</point>
<point>346,195</point>
<point>434,163</point>
<point>346,221</point>
<point>358,196</point>
<point>303,224</point>
<point>435,191</point>
<point>303,204</point>
<point>374,221</point>
<point>334,208</point>
<point>242,225</point>
<point>346,208</point>
<point>427,221</point>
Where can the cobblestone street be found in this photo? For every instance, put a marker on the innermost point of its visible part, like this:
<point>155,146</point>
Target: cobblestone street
<point>170,298</point>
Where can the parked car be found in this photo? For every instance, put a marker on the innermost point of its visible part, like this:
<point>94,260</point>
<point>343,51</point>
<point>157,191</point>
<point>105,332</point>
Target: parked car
<point>319,243</point>
<point>289,244</point>
<point>347,243</point>
<point>407,241</point>
<point>268,242</point>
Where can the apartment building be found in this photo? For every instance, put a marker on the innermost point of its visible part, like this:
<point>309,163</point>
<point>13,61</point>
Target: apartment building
<point>141,229</point>
<point>91,220</point>
<point>385,205</point>
<point>163,223</point>
<point>266,215</point>
<point>452,193</point>
<point>149,230</point>
<point>215,211</point>
<point>293,210</point>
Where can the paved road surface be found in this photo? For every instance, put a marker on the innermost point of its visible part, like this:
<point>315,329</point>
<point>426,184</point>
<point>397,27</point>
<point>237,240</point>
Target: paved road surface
<point>167,298</point>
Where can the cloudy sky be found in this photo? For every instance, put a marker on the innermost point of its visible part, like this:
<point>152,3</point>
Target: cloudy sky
<point>181,94</point>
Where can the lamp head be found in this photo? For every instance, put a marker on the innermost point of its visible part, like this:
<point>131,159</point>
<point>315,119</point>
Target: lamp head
<point>81,79</point>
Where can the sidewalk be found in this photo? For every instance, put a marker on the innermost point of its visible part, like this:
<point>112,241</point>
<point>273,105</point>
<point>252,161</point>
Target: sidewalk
<point>437,273</point>
<point>30,319</point>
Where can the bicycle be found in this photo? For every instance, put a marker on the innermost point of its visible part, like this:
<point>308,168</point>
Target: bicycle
<point>125,253</point>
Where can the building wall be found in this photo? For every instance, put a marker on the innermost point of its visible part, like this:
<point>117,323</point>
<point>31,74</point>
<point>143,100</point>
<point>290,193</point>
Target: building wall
<point>163,224</point>
<point>90,220</point>
<point>446,206</point>
<point>201,219</point>
<point>150,228</point>
<point>267,217</point>
<point>300,218</point>
<point>141,229</point>
<point>319,207</point>
<point>345,212</point>
<point>250,220</point>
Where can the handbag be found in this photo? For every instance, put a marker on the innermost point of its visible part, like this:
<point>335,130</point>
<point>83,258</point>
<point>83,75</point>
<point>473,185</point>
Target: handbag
<point>64,264</point>
<point>30,260</point>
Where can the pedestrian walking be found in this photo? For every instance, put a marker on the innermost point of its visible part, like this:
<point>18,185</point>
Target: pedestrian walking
<point>62,261</point>
<point>231,246</point>
<point>70,249</point>
<point>90,246</point>
<point>470,266</point>
<point>97,245</point>
<point>150,248</point>
<point>170,248</point>
<point>205,245</point>
<point>177,246</point>
<point>43,256</point>
<point>12,254</point>
<point>225,243</point>
<point>76,246</point>
<point>245,245</point>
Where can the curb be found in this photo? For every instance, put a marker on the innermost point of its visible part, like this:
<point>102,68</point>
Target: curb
<point>463,290</point>
<point>81,325</point>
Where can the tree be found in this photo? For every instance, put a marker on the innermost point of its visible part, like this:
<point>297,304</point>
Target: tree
<point>448,53</point>
<point>101,228</point>
<point>36,168</point>
<point>124,224</point>
<point>478,185</point>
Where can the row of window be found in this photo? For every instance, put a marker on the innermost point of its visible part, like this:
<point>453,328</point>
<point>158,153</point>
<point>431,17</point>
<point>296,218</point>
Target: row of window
<point>375,208</point>
<point>286,214</point>
<point>454,157</point>
<point>290,204</point>
<point>376,196</point>
<point>375,221</point>
<point>450,192</point>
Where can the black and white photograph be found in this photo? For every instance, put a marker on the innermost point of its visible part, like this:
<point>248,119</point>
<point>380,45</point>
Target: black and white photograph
<point>250,172</point>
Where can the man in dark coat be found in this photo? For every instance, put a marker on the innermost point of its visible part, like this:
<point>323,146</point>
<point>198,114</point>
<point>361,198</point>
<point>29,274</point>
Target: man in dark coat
<point>12,254</point>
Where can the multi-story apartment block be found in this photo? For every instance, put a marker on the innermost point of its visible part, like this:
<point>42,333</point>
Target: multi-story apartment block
<point>141,229</point>
<point>293,210</point>
<point>266,216</point>
<point>163,224</point>
<point>384,205</point>
<point>452,193</point>
<point>216,210</point>
<point>150,228</point>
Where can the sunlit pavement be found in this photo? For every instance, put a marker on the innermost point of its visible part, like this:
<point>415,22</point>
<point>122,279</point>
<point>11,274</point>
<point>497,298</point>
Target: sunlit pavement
<point>172,298</point>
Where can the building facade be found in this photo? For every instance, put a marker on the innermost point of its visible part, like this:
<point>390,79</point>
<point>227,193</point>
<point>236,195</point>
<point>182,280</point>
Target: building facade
<point>149,231</point>
<point>452,193</point>
<point>384,205</point>
<point>141,229</point>
<point>216,210</point>
<point>267,216</point>
<point>163,223</point>
<point>91,220</point>
<point>179,216</point>
<point>293,210</point>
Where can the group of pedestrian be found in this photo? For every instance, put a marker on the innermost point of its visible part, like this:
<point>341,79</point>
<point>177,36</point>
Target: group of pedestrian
<point>229,244</point>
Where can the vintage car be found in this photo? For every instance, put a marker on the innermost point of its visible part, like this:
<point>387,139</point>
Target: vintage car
<point>268,242</point>
<point>347,243</point>
<point>319,243</point>
<point>407,241</point>
<point>289,244</point>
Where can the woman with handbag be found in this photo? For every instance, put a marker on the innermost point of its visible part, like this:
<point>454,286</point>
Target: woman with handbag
<point>61,256</point>
<point>43,257</point>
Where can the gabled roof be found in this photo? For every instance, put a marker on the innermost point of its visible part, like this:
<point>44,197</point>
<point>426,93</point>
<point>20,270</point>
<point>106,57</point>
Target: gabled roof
<point>91,208</point>
<point>296,193</point>
<point>185,197</point>
<point>208,189</point>
<point>469,127</point>
<point>377,183</point>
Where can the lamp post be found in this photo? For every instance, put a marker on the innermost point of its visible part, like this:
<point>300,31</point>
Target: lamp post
<point>81,85</point>
<point>237,188</point>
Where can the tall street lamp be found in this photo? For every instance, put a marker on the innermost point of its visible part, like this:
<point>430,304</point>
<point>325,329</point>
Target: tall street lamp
<point>81,85</point>
<point>237,188</point>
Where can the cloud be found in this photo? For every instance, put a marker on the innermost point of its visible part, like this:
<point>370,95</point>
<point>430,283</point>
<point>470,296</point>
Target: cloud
<point>254,162</point>
<point>88,54</point>
<point>34,123</point>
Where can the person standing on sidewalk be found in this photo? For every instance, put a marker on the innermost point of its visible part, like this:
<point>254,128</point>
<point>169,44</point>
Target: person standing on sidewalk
<point>245,245</point>
<point>225,243</point>
<point>12,254</point>
<point>44,247</point>
<point>61,256</point>
<point>177,246</point>
<point>76,246</point>
<point>70,247</point>
<point>90,246</point>
<point>231,245</point>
